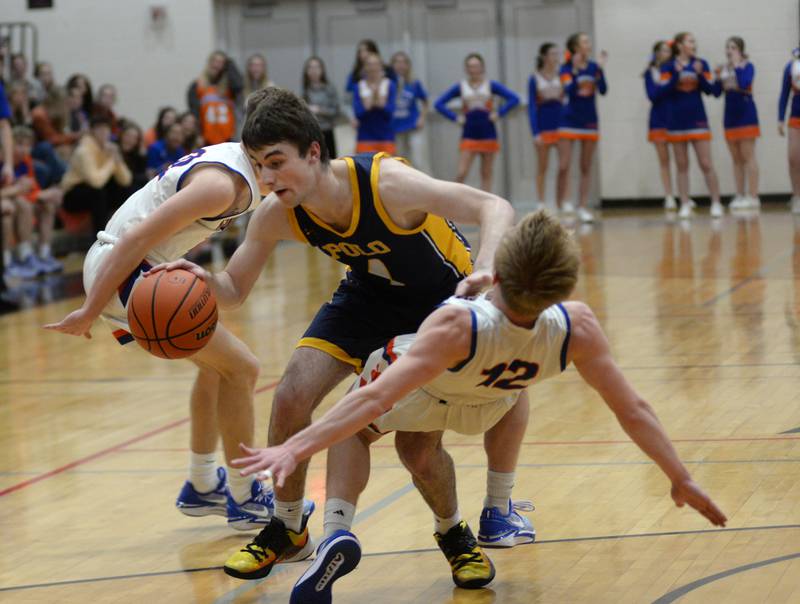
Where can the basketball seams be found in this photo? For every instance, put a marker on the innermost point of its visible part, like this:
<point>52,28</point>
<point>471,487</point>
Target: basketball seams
<point>178,307</point>
<point>187,332</point>
<point>153,312</point>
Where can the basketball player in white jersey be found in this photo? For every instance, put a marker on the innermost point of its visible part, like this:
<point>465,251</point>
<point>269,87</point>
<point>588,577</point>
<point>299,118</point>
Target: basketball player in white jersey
<point>463,370</point>
<point>198,195</point>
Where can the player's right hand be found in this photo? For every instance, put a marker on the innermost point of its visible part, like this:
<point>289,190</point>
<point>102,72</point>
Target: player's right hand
<point>687,491</point>
<point>277,462</point>
<point>184,264</point>
<point>76,323</point>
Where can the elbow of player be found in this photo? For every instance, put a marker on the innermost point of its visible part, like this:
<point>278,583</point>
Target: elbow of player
<point>634,414</point>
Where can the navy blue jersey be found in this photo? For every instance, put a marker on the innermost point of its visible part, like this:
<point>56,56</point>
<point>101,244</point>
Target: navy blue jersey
<point>427,261</point>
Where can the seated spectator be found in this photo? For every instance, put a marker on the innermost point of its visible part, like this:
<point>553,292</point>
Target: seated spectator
<point>130,145</point>
<point>256,75</point>
<point>44,81</point>
<point>191,134</point>
<point>49,121</point>
<point>104,105</point>
<point>82,82</point>
<point>19,73</point>
<point>96,175</point>
<point>211,98</point>
<point>78,121</point>
<point>19,103</point>
<point>17,216</point>
<point>166,117</point>
<point>38,201</point>
<point>166,151</point>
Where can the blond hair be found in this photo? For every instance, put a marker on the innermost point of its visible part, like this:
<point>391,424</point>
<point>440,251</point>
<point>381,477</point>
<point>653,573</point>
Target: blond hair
<point>536,264</point>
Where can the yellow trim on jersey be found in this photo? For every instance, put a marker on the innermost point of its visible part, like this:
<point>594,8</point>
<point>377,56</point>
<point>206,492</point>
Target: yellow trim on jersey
<point>374,175</point>
<point>331,349</point>
<point>448,244</point>
<point>296,226</point>
<point>351,166</point>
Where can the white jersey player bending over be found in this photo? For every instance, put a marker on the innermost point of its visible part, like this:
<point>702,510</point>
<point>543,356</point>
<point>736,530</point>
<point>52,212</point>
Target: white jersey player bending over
<point>462,371</point>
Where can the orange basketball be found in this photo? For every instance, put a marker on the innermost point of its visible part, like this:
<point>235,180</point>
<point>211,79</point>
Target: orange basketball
<point>172,314</point>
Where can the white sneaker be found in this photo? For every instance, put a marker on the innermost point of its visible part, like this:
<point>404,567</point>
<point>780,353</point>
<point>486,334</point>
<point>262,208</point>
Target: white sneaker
<point>670,205</point>
<point>739,202</point>
<point>795,205</point>
<point>568,208</point>
<point>585,215</point>
<point>717,210</point>
<point>692,204</point>
<point>685,213</point>
<point>753,202</point>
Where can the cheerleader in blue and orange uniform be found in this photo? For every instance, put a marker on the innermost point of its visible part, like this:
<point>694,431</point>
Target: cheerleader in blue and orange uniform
<point>686,76</point>
<point>373,106</point>
<point>545,102</point>
<point>740,121</point>
<point>657,133</point>
<point>479,135</point>
<point>791,84</point>
<point>581,78</point>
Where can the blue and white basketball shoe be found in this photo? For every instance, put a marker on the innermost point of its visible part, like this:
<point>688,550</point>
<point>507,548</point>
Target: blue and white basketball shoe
<point>337,555</point>
<point>506,528</point>
<point>253,513</point>
<point>193,503</point>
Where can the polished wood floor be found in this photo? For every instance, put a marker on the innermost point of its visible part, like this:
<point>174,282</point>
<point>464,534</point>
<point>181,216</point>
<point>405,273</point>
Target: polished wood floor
<point>704,319</point>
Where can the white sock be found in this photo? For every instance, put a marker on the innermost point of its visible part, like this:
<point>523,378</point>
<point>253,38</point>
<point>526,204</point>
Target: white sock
<point>203,471</point>
<point>338,516</point>
<point>241,487</point>
<point>442,525</point>
<point>7,257</point>
<point>291,512</point>
<point>24,249</point>
<point>498,490</point>
<point>44,250</point>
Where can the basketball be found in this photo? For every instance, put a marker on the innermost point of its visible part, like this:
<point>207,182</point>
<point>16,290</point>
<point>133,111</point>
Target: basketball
<point>172,314</point>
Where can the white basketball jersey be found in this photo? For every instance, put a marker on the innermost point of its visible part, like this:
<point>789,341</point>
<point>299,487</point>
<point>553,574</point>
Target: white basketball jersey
<point>476,98</point>
<point>147,199</point>
<point>504,357</point>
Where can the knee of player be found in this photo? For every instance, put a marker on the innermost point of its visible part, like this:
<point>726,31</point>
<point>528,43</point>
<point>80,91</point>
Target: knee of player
<point>417,459</point>
<point>291,404</point>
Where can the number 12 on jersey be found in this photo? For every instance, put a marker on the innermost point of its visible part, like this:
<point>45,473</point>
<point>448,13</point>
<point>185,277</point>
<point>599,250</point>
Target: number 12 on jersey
<point>521,372</point>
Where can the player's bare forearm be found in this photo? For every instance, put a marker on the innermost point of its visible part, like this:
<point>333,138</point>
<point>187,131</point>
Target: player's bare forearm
<point>496,216</point>
<point>641,423</point>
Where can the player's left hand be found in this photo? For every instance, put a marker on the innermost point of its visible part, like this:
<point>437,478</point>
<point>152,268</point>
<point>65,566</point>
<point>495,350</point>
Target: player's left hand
<point>277,462</point>
<point>687,491</point>
<point>475,283</point>
<point>76,323</point>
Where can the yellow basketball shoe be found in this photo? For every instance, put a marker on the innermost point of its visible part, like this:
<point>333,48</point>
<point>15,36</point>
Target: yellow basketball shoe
<point>471,568</point>
<point>275,543</point>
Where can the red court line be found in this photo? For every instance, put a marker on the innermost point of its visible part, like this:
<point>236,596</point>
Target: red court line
<point>109,450</point>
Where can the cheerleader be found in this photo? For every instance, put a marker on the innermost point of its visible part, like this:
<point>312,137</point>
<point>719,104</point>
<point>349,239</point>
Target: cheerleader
<point>479,135</point>
<point>581,78</point>
<point>685,76</point>
<point>740,121</point>
<point>657,134</point>
<point>791,84</point>
<point>545,101</point>
<point>373,106</point>
<point>410,111</point>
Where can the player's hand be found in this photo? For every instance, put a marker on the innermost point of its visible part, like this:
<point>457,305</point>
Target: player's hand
<point>475,283</point>
<point>688,491</point>
<point>76,323</point>
<point>277,462</point>
<point>781,129</point>
<point>184,264</point>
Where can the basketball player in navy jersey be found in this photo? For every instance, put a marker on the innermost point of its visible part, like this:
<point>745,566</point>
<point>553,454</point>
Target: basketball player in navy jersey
<point>391,225</point>
<point>462,371</point>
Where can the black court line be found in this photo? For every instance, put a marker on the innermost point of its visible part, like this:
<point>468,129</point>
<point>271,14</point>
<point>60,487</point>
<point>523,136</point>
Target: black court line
<point>675,594</point>
<point>417,551</point>
<point>792,431</point>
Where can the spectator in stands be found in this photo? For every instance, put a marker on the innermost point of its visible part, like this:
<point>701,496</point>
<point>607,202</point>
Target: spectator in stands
<point>130,145</point>
<point>191,133</point>
<point>104,105</point>
<point>96,175</point>
<point>166,151</point>
<point>6,179</point>
<point>256,75</point>
<point>49,121</point>
<point>322,100</point>
<point>166,117</point>
<point>77,121</point>
<point>211,97</point>
<point>82,82</point>
<point>19,73</point>
<point>19,104</point>
<point>44,81</point>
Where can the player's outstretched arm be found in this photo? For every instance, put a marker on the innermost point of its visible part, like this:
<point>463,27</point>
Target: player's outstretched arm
<point>231,287</point>
<point>209,192</point>
<point>405,190</point>
<point>442,341</point>
<point>589,351</point>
